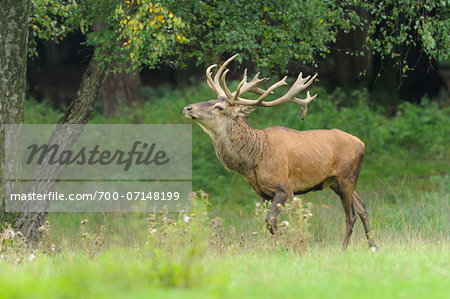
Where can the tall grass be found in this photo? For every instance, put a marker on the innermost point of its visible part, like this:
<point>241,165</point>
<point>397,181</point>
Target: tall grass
<point>171,256</point>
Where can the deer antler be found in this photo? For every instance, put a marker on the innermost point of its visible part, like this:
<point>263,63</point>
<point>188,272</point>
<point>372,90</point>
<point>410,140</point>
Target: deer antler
<point>234,98</point>
<point>214,84</point>
<point>299,85</point>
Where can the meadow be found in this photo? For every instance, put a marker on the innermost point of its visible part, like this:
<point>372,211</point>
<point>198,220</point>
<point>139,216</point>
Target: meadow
<point>221,248</point>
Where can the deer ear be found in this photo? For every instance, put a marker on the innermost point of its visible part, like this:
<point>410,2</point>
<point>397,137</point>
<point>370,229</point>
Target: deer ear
<point>243,110</point>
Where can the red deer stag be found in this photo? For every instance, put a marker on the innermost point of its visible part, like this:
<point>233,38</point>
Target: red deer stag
<point>279,162</point>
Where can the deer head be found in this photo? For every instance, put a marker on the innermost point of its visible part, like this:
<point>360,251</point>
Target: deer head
<point>214,114</point>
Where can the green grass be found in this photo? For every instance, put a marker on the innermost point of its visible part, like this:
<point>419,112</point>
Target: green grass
<point>415,270</point>
<point>404,182</point>
<point>327,273</point>
<point>410,222</point>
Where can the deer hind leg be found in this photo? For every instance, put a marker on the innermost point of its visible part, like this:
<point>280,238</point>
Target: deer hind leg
<point>360,208</point>
<point>346,195</point>
<point>273,214</point>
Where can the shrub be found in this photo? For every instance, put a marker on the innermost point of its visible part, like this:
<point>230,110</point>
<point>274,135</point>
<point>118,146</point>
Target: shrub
<point>293,228</point>
<point>176,245</point>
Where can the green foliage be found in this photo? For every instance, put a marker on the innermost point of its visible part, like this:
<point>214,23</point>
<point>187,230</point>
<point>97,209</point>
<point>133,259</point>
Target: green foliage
<point>40,112</point>
<point>133,33</point>
<point>125,34</point>
<point>51,20</point>
<point>149,32</point>
<point>422,128</point>
<point>397,26</point>
<point>270,33</point>
<point>415,129</point>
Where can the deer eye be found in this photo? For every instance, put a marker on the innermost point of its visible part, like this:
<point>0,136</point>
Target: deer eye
<point>218,107</point>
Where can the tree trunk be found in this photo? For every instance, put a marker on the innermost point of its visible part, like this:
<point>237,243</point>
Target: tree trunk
<point>119,90</point>
<point>13,67</point>
<point>79,112</point>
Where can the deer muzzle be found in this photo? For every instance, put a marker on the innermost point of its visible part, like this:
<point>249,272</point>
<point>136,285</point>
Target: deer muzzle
<point>187,111</point>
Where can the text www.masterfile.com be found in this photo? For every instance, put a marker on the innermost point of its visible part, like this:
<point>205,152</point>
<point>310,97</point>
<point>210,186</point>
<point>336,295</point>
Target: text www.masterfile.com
<point>97,195</point>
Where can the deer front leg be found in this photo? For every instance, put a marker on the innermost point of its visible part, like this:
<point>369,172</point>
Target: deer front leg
<point>274,212</point>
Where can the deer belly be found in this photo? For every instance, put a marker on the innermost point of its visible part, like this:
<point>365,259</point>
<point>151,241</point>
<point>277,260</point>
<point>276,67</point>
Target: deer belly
<point>306,186</point>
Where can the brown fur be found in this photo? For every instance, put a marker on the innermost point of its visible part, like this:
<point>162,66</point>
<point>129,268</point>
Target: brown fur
<point>279,162</point>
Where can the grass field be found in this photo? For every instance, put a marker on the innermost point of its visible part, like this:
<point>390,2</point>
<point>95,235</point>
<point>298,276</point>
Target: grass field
<point>224,251</point>
<point>413,260</point>
<point>414,270</point>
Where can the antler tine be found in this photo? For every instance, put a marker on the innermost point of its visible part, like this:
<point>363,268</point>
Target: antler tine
<point>243,86</point>
<point>296,88</point>
<point>271,88</point>
<point>221,69</point>
<point>308,99</point>
<point>299,85</point>
<point>304,103</point>
<point>253,85</point>
<point>235,97</point>
<point>214,83</point>
<point>209,79</point>
<point>265,93</point>
<point>224,83</point>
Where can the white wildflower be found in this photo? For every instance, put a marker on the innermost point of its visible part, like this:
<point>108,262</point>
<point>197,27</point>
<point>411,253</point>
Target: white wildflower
<point>186,218</point>
<point>32,257</point>
<point>284,224</point>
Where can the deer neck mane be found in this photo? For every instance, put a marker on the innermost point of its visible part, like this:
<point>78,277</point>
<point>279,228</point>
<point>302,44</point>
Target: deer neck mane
<point>238,146</point>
